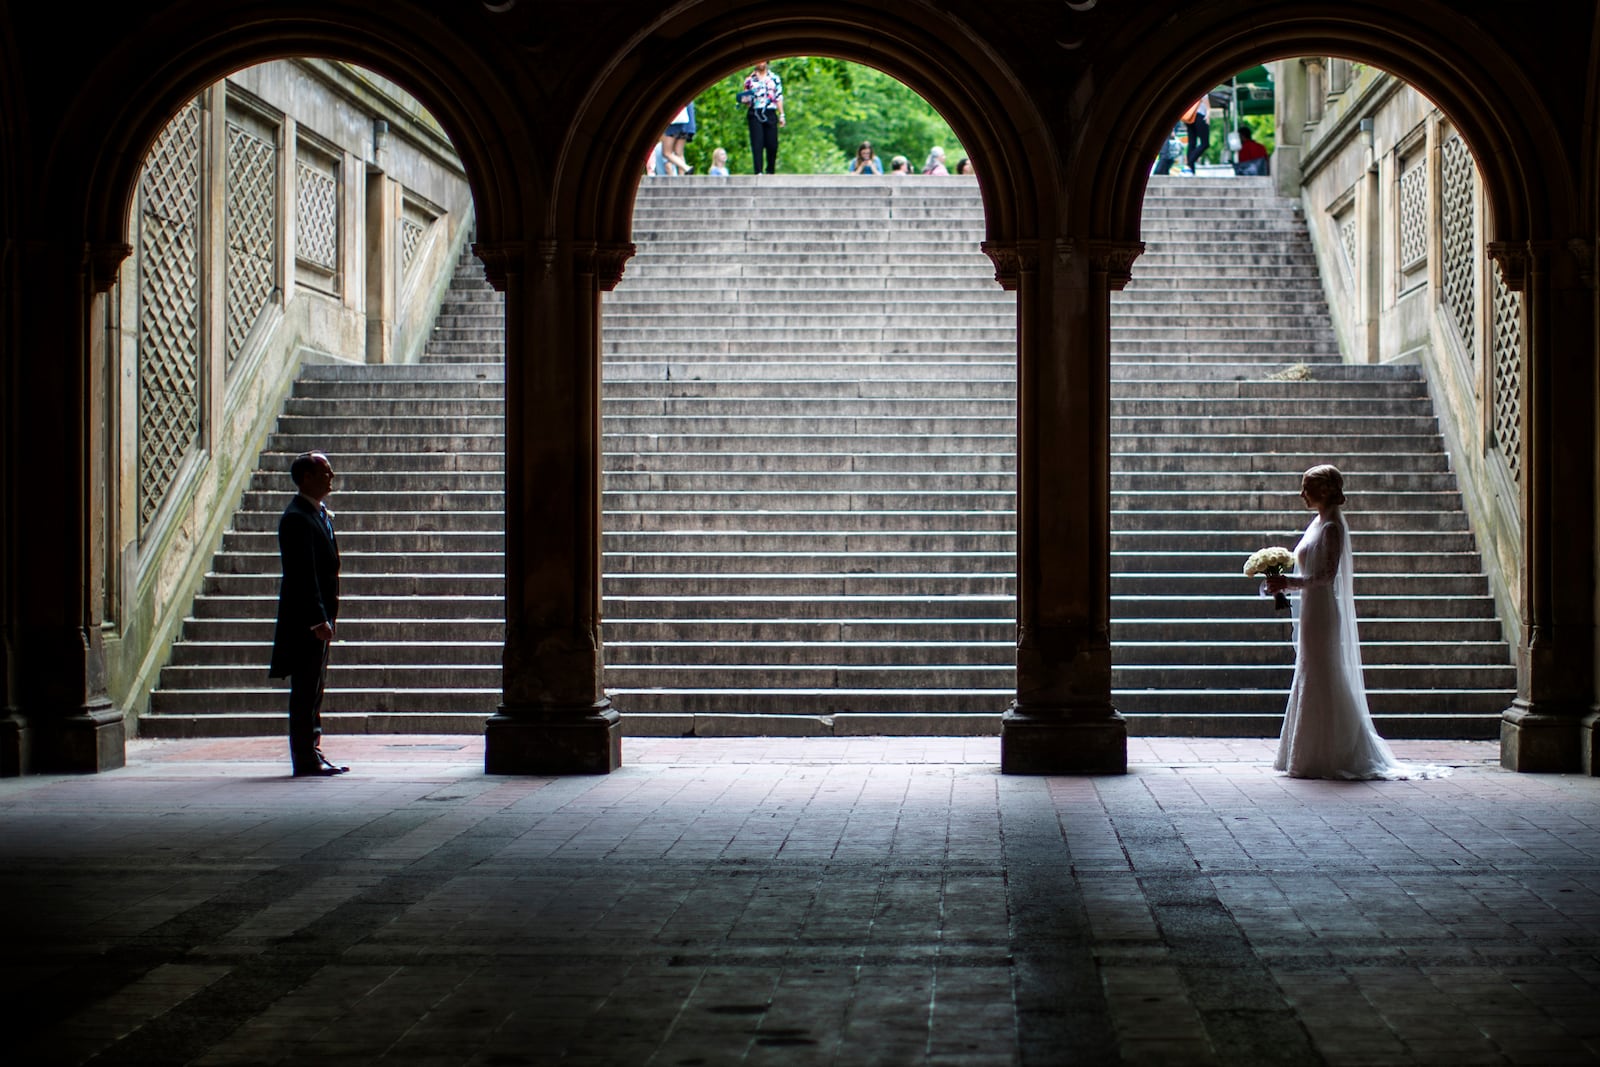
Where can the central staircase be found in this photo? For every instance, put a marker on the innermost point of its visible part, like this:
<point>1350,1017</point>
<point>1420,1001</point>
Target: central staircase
<point>809,427</point>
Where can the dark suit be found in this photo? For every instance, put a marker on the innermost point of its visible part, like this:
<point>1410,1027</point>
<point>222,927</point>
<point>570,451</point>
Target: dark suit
<point>308,596</point>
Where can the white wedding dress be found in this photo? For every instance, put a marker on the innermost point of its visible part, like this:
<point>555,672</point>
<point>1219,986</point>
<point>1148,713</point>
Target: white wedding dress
<point>1327,727</point>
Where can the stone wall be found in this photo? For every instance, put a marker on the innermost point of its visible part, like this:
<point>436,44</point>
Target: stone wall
<point>1396,213</point>
<point>299,210</point>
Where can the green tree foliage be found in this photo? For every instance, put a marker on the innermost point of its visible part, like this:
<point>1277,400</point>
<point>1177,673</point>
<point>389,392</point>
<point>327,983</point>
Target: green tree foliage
<point>1265,129</point>
<point>831,106</point>
<point>1262,127</point>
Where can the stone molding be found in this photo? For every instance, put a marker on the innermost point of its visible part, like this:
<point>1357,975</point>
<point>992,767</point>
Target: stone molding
<point>1514,260</point>
<point>105,263</point>
<point>501,259</point>
<point>1582,250</point>
<point>1115,259</point>
<point>1011,259</point>
<point>605,260</point>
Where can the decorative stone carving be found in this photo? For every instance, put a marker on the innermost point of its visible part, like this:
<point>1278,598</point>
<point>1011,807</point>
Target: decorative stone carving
<point>1458,223</point>
<point>169,307</point>
<point>500,260</point>
<point>1115,259</point>
<point>1506,381</point>
<point>104,263</point>
<point>1010,259</point>
<point>606,261</point>
<point>546,252</point>
<point>410,240</point>
<point>251,231</point>
<point>1582,251</point>
<point>317,217</point>
<point>1413,216</point>
<point>1347,242</point>
<point>1513,259</point>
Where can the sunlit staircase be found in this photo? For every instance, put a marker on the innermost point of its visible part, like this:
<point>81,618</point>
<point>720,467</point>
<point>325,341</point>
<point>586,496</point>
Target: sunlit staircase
<point>809,435</point>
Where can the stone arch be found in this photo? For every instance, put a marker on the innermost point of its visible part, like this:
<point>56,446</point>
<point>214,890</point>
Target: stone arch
<point>1540,234</point>
<point>10,168</point>
<point>1527,178</point>
<point>121,109</point>
<point>556,715</point>
<point>74,231</point>
<point>632,98</point>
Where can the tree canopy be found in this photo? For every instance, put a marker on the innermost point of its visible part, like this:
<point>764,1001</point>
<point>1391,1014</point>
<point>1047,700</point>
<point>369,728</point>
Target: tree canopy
<point>831,107</point>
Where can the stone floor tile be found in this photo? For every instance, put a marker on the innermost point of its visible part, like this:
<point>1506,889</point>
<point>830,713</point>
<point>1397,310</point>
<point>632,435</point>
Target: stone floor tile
<point>799,901</point>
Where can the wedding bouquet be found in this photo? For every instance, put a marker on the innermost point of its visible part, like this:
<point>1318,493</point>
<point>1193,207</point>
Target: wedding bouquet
<point>1267,561</point>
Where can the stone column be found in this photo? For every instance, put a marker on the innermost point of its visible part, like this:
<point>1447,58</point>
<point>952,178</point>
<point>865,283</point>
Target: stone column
<point>554,717</point>
<point>60,718</point>
<point>382,263</point>
<point>1062,720</point>
<point>1289,113</point>
<point>1316,88</point>
<point>1551,724</point>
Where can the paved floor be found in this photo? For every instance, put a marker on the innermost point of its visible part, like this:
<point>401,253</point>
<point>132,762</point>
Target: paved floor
<point>791,901</point>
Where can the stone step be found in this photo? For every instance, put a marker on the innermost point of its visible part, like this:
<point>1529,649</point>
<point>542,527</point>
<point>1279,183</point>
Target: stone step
<point>744,532</point>
<point>1187,636</point>
<point>808,501</point>
<point>872,367</point>
<point>943,580</point>
<point>416,372</point>
<point>676,471</point>
<point>686,674</point>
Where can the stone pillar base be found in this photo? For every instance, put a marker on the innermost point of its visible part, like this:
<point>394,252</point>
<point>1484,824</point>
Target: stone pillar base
<point>15,739</point>
<point>88,742</point>
<point>545,741</point>
<point>1068,742</point>
<point>1534,741</point>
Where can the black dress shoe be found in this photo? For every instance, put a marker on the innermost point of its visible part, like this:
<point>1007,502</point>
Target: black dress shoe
<point>330,767</point>
<point>320,772</point>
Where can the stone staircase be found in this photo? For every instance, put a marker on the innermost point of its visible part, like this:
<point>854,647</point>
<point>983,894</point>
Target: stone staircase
<point>809,434</point>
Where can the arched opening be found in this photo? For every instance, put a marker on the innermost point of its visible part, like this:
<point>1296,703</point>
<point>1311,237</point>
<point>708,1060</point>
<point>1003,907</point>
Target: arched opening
<point>809,396</point>
<point>1243,353</point>
<point>1064,185</point>
<point>298,229</point>
<point>141,558</point>
<point>593,201</point>
<point>1519,195</point>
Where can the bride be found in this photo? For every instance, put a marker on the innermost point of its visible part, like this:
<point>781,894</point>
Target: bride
<point>1327,728</point>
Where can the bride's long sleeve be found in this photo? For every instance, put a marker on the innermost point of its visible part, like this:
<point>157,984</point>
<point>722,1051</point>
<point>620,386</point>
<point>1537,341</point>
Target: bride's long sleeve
<point>1320,565</point>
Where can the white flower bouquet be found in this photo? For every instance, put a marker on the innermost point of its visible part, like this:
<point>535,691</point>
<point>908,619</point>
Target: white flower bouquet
<point>1267,561</point>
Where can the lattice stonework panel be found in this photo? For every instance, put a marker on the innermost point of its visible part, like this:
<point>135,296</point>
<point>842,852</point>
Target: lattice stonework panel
<point>410,241</point>
<point>251,225</point>
<point>1413,217</point>
<point>1347,243</point>
<point>1506,403</point>
<point>1458,227</point>
<point>169,307</point>
<point>317,217</point>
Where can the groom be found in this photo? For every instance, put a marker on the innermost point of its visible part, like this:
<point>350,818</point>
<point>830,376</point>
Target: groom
<point>308,606</point>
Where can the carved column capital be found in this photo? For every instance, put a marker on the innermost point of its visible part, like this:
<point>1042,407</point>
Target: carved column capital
<point>1514,259</point>
<point>1582,250</point>
<point>1010,259</point>
<point>546,254</point>
<point>501,260</point>
<point>104,261</point>
<point>1115,260</point>
<point>605,260</point>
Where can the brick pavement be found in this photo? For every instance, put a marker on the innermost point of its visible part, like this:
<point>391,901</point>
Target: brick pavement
<point>796,901</point>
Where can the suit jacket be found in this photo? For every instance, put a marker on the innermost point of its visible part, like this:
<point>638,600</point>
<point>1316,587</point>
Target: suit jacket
<point>309,593</point>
